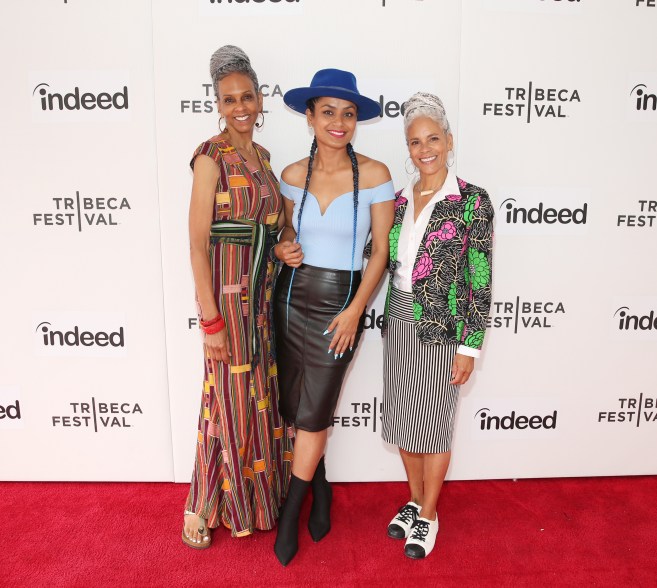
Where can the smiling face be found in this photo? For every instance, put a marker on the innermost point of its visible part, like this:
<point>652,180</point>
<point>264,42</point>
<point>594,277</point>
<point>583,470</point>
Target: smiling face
<point>238,102</point>
<point>428,145</point>
<point>333,120</point>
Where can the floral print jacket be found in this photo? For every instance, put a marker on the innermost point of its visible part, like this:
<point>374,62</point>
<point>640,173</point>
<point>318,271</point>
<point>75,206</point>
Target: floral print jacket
<point>452,272</point>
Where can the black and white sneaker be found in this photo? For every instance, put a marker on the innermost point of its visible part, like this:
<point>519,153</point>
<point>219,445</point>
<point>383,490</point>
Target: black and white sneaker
<point>400,526</point>
<point>422,538</point>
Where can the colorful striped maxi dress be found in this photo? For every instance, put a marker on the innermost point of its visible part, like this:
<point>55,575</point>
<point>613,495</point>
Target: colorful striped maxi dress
<point>244,450</point>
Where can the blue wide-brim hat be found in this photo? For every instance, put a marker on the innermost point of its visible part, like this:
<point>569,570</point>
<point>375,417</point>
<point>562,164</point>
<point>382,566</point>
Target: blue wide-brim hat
<point>334,83</point>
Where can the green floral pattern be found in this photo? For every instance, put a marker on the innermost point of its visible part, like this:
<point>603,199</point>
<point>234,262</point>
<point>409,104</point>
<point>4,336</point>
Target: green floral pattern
<point>479,268</point>
<point>394,240</point>
<point>451,298</point>
<point>474,340</point>
<point>417,311</point>
<point>459,330</point>
<point>471,205</point>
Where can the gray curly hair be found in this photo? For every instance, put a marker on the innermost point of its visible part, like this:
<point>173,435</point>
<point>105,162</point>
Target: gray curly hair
<point>425,104</point>
<point>227,60</point>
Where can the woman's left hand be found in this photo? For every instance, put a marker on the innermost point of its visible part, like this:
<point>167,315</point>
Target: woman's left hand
<point>461,369</point>
<point>344,328</point>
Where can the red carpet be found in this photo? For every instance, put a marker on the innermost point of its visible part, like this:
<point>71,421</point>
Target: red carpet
<point>566,532</point>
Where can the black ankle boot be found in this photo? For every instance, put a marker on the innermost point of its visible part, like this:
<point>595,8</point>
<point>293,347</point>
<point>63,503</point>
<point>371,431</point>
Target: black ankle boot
<point>287,536</point>
<point>319,523</point>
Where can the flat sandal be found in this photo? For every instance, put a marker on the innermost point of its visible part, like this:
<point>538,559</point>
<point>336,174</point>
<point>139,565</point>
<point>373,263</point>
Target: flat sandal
<point>203,532</point>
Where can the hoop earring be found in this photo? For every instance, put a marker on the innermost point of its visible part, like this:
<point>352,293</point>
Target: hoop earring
<point>259,125</point>
<point>413,170</point>
<point>450,162</point>
<point>220,129</point>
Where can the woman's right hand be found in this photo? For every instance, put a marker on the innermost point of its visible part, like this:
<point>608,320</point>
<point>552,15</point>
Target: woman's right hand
<point>217,346</point>
<point>289,253</point>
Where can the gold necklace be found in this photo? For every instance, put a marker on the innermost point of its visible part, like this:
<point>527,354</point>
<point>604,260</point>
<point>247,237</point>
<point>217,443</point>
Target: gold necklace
<point>427,192</point>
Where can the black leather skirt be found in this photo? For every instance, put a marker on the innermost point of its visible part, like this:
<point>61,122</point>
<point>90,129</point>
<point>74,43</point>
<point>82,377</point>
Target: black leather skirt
<point>309,377</point>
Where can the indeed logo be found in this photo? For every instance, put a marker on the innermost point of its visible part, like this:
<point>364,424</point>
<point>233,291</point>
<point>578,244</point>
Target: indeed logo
<point>643,100</point>
<point>629,322</point>
<point>512,421</point>
<point>390,108</point>
<point>11,411</point>
<point>259,7</point>
<point>78,338</point>
<point>78,100</point>
<point>542,214</point>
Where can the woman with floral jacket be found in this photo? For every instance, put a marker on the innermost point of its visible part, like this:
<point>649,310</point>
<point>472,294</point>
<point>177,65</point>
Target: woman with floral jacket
<point>438,301</point>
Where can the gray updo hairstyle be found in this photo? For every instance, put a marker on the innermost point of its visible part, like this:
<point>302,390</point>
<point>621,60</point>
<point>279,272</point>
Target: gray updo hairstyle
<point>227,60</point>
<point>425,104</point>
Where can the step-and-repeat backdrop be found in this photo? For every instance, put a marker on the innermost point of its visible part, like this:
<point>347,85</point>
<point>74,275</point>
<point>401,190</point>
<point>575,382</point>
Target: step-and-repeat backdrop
<point>554,108</point>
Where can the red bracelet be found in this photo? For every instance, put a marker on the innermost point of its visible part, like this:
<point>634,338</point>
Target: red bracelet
<point>213,326</point>
<point>211,322</point>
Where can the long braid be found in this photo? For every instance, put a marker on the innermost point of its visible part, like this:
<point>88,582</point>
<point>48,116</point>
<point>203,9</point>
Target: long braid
<point>354,168</point>
<point>311,159</point>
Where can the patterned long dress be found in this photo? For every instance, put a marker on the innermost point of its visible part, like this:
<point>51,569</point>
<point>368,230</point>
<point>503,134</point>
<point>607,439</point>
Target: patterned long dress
<point>243,454</point>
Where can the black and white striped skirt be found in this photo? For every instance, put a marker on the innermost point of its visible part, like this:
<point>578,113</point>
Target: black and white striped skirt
<point>418,401</point>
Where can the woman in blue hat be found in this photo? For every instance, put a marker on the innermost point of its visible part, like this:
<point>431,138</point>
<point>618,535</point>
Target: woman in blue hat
<point>332,200</point>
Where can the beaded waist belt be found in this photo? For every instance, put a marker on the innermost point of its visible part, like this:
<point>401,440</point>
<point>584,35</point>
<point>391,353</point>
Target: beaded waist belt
<point>261,238</point>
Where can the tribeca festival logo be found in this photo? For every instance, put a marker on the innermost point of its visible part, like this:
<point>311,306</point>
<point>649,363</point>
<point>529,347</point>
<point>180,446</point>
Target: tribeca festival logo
<point>81,334</point>
<point>99,415</point>
<point>81,212</point>
<point>631,411</point>
<point>543,211</point>
<point>522,314</point>
<point>360,415</point>
<point>206,101</point>
<point>79,95</point>
<point>10,408</point>
<point>249,7</point>
<point>533,103</point>
<point>643,215</point>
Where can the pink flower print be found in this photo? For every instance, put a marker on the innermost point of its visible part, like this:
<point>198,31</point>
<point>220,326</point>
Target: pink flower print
<point>477,202</point>
<point>431,237</point>
<point>462,184</point>
<point>422,268</point>
<point>453,197</point>
<point>399,201</point>
<point>447,231</point>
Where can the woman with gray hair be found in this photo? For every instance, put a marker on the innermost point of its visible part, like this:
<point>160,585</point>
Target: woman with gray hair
<point>438,301</point>
<point>243,452</point>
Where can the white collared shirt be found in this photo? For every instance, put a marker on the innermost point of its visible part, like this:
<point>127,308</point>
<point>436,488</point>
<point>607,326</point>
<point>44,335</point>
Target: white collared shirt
<point>411,235</point>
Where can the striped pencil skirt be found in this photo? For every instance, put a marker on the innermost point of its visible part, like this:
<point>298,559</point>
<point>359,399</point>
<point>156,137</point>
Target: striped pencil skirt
<point>418,401</point>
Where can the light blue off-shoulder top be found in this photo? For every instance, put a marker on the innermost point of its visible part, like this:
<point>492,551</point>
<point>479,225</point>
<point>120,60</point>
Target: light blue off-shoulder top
<point>327,239</point>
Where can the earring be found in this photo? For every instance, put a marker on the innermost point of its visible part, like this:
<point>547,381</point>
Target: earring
<point>259,125</point>
<point>413,170</point>
<point>220,129</point>
<point>450,161</point>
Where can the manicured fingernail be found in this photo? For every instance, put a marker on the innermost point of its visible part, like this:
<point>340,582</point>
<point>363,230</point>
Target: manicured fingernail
<point>351,349</point>
<point>326,332</point>
<point>330,351</point>
<point>336,356</point>
<point>341,355</point>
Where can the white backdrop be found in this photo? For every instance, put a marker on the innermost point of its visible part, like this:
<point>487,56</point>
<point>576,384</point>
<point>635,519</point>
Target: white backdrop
<point>551,103</point>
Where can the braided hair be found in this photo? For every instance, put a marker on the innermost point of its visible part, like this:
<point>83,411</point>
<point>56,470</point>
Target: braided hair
<point>354,168</point>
